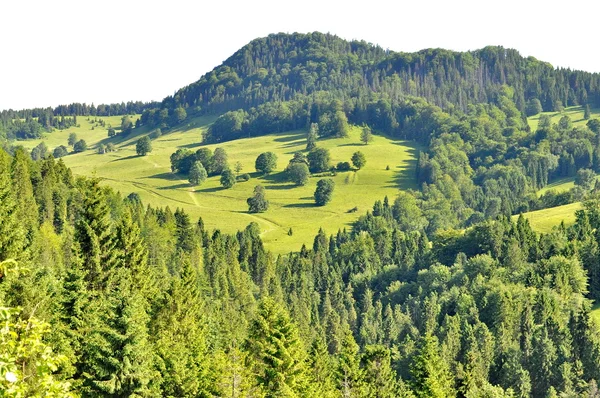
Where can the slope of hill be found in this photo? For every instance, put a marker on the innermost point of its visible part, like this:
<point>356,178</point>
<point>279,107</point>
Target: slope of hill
<point>291,207</point>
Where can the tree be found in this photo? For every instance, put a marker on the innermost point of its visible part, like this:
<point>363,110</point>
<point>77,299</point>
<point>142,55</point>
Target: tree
<point>266,162</point>
<point>534,107</point>
<point>80,146</point>
<point>594,125</point>
<point>111,132</point>
<point>197,174</point>
<point>585,178</point>
<point>587,114</point>
<point>39,152</point>
<point>298,173</point>
<point>101,149</point>
<point>60,151</point>
<point>431,376</point>
<point>72,139</point>
<point>359,160</point>
<point>324,191</point>
<point>311,138</point>
<point>318,160</point>
<point>238,167</point>
<point>276,355</point>
<point>126,125</point>
<point>257,203</point>
<point>365,135</point>
<point>179,115</point>
<point>143,146</point>
<point>219,161</point>
<point>227,179</point>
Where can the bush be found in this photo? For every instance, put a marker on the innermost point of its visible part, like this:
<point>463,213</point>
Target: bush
<point>343,166</point>
<point>244,177</point>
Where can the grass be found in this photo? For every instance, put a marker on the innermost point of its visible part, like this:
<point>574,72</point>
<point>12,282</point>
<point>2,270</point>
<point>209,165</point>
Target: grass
<point>544,220</point>
<point>290,206</point>
<point>574,112</point>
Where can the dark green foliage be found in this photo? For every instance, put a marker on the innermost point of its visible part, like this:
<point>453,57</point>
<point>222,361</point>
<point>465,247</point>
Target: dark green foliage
<point>60,151</point>
<point>39,152</point>
<point>197,174</point>
<point>365,135</point>
<point>359,160</point>
<point>585,178</point>
<point>324,191</point>
<point>318,160</point>
<point>243,177</point>
<point>218,162</point>
<point>111,132</point>
<point>143,146</point>
<point>227,179</point>
<point>80,146</point>
<point>126,125</point>
<point>343,166</point>
<point>587,114</point>
<point>534,107</point>
<point>72,139</point>
<point>298,173</point>
<point>258,203</point>
<point>266,162</point>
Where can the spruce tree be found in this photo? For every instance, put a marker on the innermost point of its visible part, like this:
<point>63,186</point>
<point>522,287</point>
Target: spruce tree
<point>430,375</point>
<point>11,232</point>
<point>276,354</point>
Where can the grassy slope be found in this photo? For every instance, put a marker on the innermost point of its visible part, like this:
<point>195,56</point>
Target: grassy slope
<point>544,220</point>
<point>291,207</point>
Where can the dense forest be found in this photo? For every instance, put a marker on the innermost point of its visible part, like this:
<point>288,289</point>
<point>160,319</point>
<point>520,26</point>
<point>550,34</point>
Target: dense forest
<point>31,123</point>
<point>433,293</point>
<point>107,297</point>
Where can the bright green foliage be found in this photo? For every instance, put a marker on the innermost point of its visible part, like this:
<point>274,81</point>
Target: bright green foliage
<point>197,174</point>
<point>359,160</point>
<point>27,362</point>
<point>318,160</point>
<point>26,209</point>
<point>258,203</point>
<point>349,375</point>
<point>143,146</point>
<point>324,191</point>
<point>379,377</point>
<point>178,116</point>
<point>276,355</point>
<point>431,376</point>
<point>266,162</point>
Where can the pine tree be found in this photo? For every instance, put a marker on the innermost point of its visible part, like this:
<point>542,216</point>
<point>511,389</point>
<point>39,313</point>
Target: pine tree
<point>11,233</point>
<point>431,377</point>
<point>118,359</point>
<point>349,375</point>
<point>311,138</point>
<point>380,378</point>
<point>275,353</point>
<point>26,210</point>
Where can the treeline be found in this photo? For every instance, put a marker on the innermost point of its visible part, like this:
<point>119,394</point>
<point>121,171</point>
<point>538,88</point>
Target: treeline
<point>282,67</point>
<point>124,299</point>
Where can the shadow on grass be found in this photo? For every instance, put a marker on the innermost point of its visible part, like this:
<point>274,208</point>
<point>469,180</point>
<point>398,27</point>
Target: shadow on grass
<point>291,137</point>
<point>353,144</point>
<point>280,187</point>
<point>190,146</point>
<point>176,186</point>
<point>167,176</point>
<point>300,205</point>
<point>126,158</point>
<point>210,190</point>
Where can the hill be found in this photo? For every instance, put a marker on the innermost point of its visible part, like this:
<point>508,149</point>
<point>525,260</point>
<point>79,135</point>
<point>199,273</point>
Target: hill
<point>291,207</point>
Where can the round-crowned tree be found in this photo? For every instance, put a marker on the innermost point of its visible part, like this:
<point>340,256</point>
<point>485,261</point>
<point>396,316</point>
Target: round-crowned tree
<point>359,160</point>
<point>60,151</point>
<point>197,174</point>
<point>318,160</point>
<point>324,191</point>
<point>258,203</point>
<point>143,146</point>
<point>80,146</point>
<point>266,162</point>
<point>227,179</point>
<point>298,173</point>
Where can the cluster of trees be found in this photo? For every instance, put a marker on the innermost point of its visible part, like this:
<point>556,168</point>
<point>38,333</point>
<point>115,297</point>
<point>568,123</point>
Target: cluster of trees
<point>199,165</point>
<point>136,300</point>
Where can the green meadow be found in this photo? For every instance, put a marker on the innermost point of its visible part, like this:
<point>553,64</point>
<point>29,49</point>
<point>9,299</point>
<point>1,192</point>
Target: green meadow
<point>291,207</point>
<point>574,112</point>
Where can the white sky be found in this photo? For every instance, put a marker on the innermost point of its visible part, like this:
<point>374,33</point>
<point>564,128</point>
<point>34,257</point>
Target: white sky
<point>60,51</point>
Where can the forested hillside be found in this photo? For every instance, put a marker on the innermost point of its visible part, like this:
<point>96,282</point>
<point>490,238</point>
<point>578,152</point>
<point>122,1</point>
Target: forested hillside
<point>432,293</point>
<point>112,298</point>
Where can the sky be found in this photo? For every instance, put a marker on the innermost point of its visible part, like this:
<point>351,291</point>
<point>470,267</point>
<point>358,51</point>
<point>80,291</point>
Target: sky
<point>63,51</point>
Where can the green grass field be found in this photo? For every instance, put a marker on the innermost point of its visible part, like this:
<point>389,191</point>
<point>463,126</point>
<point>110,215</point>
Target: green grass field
<point>574,112</point>
<point>544,220</point>
<point>290,206</point>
